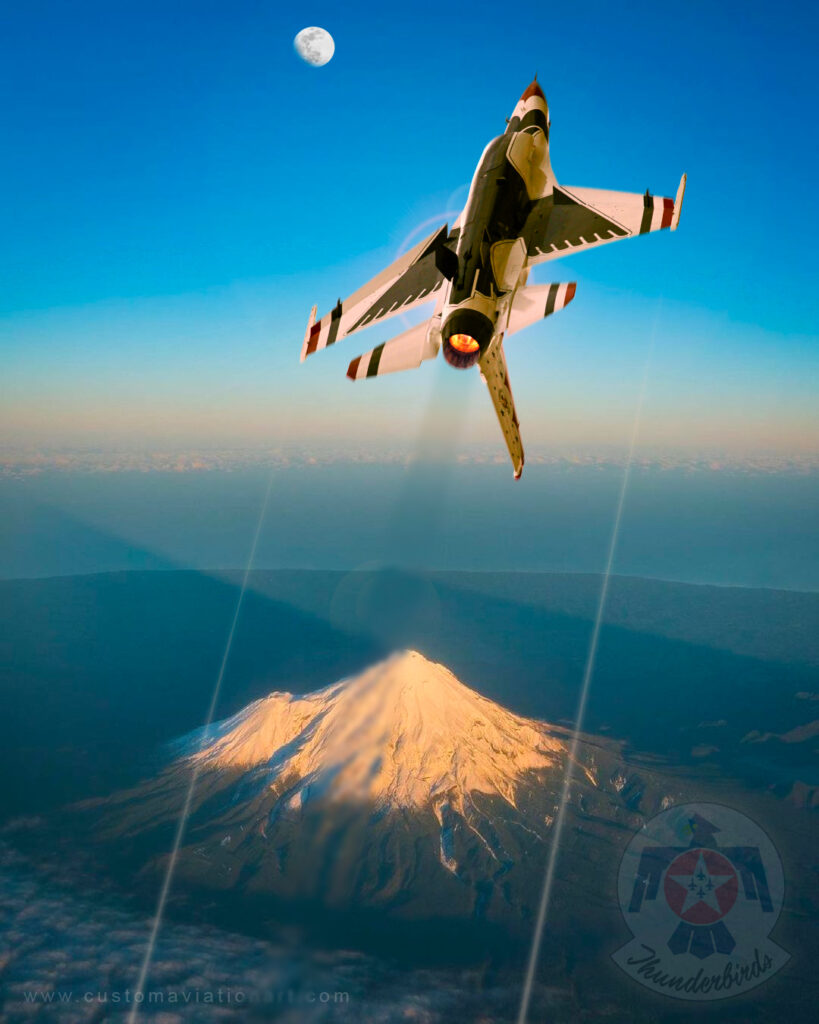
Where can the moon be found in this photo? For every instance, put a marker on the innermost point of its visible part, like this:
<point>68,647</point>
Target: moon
<point>315,46</point>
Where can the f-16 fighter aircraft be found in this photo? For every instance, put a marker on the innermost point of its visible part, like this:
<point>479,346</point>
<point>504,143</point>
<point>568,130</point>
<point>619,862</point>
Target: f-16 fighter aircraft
<point>516,216</point>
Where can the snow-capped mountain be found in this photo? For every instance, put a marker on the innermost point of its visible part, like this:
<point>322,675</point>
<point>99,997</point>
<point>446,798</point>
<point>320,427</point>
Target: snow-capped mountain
<point>399,788</point>
<point>405,733</point>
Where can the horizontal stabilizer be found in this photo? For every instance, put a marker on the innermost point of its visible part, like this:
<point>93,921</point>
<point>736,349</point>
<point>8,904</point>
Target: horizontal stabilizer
<point>532,303</point>
<point>406,352</point>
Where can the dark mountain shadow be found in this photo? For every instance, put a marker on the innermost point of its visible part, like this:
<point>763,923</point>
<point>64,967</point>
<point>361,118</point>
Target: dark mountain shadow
<point>100,670</point>
<point>529,652</point>
<point>41,535</point>
<point>772,625</point>
<point>661,695</point>
<point>680,668</point>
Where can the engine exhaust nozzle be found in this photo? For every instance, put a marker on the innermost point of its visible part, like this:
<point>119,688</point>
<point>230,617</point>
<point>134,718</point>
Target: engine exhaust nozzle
<point>465,337</point>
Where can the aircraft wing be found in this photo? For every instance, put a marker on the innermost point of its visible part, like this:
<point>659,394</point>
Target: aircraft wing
<point>407,282</point>
<point>580,218</point>
<point>496,377</point>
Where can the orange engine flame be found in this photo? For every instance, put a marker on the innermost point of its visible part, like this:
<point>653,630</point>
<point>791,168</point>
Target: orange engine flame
<point>464,343</point>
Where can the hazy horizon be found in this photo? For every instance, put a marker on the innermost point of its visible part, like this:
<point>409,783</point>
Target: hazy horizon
<point>688,521</point>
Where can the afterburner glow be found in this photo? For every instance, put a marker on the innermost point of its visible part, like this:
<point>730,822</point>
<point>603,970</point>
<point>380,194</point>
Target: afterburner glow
<point>464,343</point>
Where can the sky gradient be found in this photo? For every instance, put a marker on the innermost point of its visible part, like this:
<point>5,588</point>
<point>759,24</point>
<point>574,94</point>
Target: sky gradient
<point>182,188</point>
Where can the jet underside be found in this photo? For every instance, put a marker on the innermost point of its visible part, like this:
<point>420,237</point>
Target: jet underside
<point>515,217</point>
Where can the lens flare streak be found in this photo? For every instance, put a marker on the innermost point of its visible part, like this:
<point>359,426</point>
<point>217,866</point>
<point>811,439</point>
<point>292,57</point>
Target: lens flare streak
<point>568,777</point>
<point>186,807</point>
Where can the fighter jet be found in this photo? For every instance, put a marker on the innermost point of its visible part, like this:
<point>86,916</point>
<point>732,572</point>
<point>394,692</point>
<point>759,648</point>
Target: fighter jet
<point>516,216</point>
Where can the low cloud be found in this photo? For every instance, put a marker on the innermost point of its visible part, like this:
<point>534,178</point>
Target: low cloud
<point>26,463</point>
<point>72,953</point>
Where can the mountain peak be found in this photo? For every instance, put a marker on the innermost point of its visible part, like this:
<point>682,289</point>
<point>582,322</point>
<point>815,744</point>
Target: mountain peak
<point>397,788</point>
<point>411,656</point>
<point>403,733</point>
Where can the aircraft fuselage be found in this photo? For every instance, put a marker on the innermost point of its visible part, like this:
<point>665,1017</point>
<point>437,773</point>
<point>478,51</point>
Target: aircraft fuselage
<point>491,255</point>
<point>516,216</point>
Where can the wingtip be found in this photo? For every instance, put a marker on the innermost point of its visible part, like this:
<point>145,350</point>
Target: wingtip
<point>352,369</point>
<point>310,322</point>
<point>678,201</point>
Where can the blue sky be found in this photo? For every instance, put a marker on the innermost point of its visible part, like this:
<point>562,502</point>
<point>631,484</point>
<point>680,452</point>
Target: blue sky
<point>179,188</point>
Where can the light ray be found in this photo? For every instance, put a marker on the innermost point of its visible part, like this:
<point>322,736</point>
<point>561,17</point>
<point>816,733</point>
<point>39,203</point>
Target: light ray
<point>568,777</point>
<point>186,807</point>
<point>435,220</point>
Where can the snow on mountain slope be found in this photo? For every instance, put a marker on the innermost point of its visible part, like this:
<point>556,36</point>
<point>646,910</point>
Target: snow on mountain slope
<point>402,734</point>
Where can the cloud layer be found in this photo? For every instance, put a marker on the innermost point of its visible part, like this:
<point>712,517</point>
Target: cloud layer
<point>32,462</point>
<point>71,953</point>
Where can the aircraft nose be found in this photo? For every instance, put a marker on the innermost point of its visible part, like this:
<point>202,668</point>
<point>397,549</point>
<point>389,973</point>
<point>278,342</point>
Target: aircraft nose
<point>533,89</point>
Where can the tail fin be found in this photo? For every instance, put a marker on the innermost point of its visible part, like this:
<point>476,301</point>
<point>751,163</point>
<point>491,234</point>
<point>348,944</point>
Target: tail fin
<point>496,378</point>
